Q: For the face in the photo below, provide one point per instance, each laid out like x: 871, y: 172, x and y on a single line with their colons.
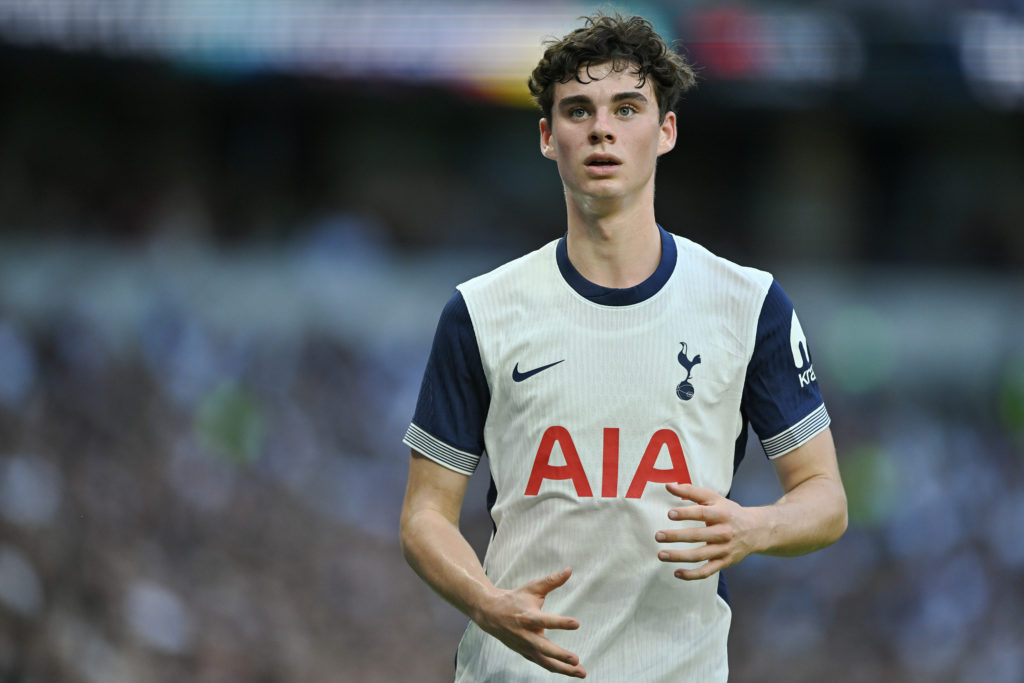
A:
x: 605, y: 135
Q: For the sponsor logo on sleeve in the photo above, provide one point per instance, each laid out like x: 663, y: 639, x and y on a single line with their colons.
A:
x: 801, y: 355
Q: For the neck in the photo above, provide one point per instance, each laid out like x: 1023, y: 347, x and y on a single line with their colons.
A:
x: 618, y: 247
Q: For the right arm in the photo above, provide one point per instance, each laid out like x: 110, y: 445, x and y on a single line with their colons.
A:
x: 436, y: 549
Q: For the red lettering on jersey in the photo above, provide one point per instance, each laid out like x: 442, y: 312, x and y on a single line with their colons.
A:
x: 610, y: 464
x: 646, y: 472
x: 572, y: 469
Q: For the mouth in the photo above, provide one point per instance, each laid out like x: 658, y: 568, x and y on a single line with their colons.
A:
x: 601, y: 160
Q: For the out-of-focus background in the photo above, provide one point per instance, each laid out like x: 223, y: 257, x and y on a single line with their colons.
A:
x: 227, y: 229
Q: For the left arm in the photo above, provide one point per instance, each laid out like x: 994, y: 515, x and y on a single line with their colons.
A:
x: 810, y: 515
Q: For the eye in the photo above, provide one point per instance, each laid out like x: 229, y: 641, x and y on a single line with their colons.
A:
x: 577, y: 113
x: 626, y: 110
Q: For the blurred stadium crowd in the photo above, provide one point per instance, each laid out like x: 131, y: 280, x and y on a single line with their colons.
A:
x: 217, y: 293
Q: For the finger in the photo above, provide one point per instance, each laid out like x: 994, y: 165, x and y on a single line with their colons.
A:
x: 701, y: 554
x: 549, y: 583
x: 560, y: 667
x: 548, y: 649
x: 702, y: 572
x: 718, y: 533
x: 709, y: 514
x: 552, y: 657
x: 694, y: 493
x: 543, y: 620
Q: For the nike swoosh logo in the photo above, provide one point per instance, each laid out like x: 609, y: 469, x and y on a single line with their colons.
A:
x: 520, y: 376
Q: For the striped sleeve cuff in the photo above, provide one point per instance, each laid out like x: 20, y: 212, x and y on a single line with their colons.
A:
x: 798, y: 434
x: 439, y: 451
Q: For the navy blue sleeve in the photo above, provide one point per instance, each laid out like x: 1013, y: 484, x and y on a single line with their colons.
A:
x: 781, y: 397
x: 448, y: 425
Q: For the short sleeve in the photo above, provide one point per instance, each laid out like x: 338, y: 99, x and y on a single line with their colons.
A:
x: 781, y: 398
x: 448, y: 425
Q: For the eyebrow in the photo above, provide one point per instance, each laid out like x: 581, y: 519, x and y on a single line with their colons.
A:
x: 617, y: 97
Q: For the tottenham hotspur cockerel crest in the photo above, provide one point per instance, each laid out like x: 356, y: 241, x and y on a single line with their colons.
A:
x: 684, y: 390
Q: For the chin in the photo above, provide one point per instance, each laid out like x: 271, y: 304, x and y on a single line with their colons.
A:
x: 609, y: 187
x: 606, y: 192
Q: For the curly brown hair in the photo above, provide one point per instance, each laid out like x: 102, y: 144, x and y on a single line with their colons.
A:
x: 626, y: 42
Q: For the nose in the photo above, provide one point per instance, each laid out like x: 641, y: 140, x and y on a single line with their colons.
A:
x: 601, y: 130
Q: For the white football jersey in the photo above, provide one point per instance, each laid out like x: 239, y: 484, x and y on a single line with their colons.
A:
x: 587, y: 400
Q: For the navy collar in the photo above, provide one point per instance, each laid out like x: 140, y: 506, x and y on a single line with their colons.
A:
x: 607, y: 296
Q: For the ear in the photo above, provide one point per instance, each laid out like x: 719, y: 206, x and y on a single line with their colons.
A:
x: 547, y: 147
x: 667, y: 133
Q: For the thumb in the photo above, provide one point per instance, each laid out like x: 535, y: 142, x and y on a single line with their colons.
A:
x: 550, y: 582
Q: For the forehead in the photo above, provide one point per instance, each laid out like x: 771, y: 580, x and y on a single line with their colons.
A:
x: 601, y: 80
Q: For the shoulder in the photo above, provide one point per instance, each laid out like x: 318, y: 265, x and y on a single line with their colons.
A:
x: 726, y: 291
x: 511, y: 292
x: 700, y: 262
x: 517, y: 272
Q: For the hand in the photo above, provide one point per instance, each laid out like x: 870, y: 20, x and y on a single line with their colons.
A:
x: 515, y: 618
x: 728, y: 532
